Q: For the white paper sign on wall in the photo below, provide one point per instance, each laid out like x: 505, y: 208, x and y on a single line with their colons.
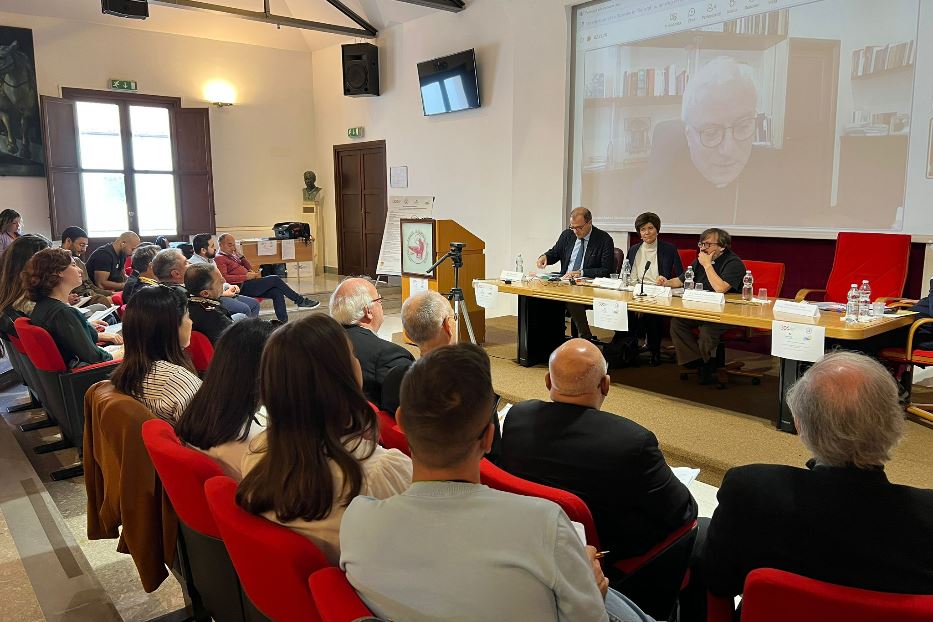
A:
x: 416, y: 285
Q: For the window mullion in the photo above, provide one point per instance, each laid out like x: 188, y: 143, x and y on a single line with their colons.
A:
x: 126, y: 136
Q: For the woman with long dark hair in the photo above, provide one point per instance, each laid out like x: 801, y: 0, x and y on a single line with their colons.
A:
x: 11, y: 223
x: 49, y: 277
x: 221, y: 419
x: 319, y: 451
x: 13, y: 299
x: 156, y: 370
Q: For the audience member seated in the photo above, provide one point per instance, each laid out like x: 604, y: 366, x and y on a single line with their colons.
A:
x: 14, y: 303
x: 156, y: 369
x: 11, y: 224
x: 208, y: 316
x: 319, y: 451
x: 74, y: 239
x: 358, y: 306
x: 162, y: 242
x: 428, y: 320
x: 221, y: 418
x: 237, y: 270
x: 204, y: 249
x: 49, y: 278
x: 451, y: 547
x: 717, y: 269
x: 610, y: 462
x: 169, y: 267
x: 141, y: 274
x: 839, y: 520
x: 106, y: 263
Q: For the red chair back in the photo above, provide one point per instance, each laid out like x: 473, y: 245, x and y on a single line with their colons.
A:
x: 272, y: 561
x: 687, y: 256
x: 767, y: 274
x: 128, y: 266
x: 201, y: 350
x: 775, y: 596
x: 39, y: 346
x: 183, y: 472
x: 879, y: 257
x: 335, y: 598
x: 390, y: 435
x: 573, y: 506
x: 117, y: 299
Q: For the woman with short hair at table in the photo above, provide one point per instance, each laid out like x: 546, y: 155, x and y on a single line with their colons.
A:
x: 156, y: 370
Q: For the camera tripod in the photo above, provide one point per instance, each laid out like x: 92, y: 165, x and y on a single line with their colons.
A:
x: 461, y: 312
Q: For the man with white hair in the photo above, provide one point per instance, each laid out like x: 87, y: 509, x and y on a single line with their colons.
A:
x: 696, y: 163
x: 610, y: 462
x: 358, y: 306
x: 839, y: 520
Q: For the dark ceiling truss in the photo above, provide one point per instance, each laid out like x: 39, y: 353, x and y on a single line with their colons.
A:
x: 365, y: 29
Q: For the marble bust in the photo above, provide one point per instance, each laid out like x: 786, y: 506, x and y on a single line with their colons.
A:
x: 312, y: 193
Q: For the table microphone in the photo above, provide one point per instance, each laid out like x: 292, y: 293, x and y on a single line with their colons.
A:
x: 647, y: 265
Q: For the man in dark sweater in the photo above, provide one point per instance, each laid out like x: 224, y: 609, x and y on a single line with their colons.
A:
x: 205, y: 284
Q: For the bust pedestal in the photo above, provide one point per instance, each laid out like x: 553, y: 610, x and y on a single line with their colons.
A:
x: 312, y: 211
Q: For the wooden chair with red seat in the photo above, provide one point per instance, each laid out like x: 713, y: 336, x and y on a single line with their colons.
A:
x: 201, y: 350
x: 62, y: 389
x: 882, y: 258
x: 909, y: 357
x: 210, y: 578
x: 777, y: 596
x: 273, y: 562
x: 335, y: 598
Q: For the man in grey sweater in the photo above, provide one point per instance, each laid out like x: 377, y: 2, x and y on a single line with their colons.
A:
x: 429, y: 554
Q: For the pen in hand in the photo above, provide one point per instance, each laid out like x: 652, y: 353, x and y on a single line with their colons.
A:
x: 602, y: 554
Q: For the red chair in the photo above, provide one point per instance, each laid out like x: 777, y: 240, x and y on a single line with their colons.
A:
x: 335, y: 598
x: 906, y: 359
x: 272, y: 561
x: 777, y: 596
x: 61, y: 389
x: 201, y: 350
x: 857, y: 258
x: 128, y: 265
x: 211, y: 580
x: 573, y: 506
x: 687, y: 256
x: 390, y: 435
x: 117, y: 299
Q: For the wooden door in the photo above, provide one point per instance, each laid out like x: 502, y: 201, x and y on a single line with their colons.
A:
x: 360, y: 180
x: 810, y: 122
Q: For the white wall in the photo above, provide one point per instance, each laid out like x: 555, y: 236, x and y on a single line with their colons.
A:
x: 260, y: 147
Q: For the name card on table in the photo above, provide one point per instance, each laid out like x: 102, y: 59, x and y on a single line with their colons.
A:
x: 605, y: 283
x: 804, y: 309
x: 655, y: 291
x: 511, y: 275
x: 610, y: 314
x: 798, y: 342
x: 701, y: 295
x: 486, y: 294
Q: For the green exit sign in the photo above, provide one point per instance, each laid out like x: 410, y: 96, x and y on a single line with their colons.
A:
x: 355, y: 132
x: 123, y: 85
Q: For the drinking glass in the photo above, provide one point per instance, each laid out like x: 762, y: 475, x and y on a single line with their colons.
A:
x: 762, y: 293
x: 698, y: 287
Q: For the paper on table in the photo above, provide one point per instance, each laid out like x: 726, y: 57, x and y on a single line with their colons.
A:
x: 99, y: 315
x: 114, y: 329
x: 486, y: 294
x: 581, y: 531
x: 416, y: 285
x: 265, y: 247
x: 288, y: 250
x: 610, y: 314
x: 686, y: 475
x: 81, y: 302
x: 798, y: 342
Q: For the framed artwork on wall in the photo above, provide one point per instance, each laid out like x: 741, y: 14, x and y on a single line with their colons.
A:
x: 21, y: 152
x: 418, y: 244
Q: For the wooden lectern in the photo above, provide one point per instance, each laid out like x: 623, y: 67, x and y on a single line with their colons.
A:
x: 474, y: 267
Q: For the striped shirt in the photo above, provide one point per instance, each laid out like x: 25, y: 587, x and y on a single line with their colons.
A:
x: 167, y: 389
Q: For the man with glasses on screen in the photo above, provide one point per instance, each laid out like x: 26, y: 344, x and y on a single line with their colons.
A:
x: 696, y: 163
x: 717, y: 269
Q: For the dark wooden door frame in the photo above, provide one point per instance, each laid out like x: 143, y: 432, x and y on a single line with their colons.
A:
x: 338, y: 150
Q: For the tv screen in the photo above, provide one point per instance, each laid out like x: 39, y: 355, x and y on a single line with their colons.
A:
x: 449, y: 84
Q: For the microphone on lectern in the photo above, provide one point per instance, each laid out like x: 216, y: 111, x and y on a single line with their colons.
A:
x: 647, y: 265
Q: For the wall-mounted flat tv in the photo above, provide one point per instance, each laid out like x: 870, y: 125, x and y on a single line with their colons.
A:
x: 449, y: 84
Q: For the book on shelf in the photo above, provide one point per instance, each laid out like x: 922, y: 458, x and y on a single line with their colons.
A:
x: 654, y: 81
x: 771, y: 23
x: 873, y: 59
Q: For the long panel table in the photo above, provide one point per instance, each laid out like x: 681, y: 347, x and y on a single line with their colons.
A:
x: 542, y: 325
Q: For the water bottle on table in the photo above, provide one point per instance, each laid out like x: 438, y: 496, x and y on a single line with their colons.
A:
x: 852, y: 304
x: 748, y: 282
x: 688, y: 278
x: 520, y: 265
x: 864, y: 302
x: 626, y: 272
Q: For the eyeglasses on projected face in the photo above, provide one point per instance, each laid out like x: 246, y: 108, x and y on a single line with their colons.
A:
x: 713, y: 134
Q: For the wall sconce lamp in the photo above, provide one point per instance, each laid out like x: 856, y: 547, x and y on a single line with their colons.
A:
x: 220, y: 93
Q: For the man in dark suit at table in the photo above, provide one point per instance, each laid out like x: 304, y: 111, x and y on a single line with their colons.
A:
x: 357, y: 305
x: 610, y: 462
x: 582, y: 250
x: 839, y: 520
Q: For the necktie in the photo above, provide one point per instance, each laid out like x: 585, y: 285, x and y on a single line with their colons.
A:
x: 578, y: 261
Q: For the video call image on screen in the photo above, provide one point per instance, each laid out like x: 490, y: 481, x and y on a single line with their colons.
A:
x: 794, y: 117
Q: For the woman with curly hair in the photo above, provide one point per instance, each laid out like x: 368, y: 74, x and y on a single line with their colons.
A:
x: 48, y: 279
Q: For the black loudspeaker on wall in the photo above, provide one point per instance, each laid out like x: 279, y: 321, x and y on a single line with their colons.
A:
x: 135, y: 9
x: 360, y: 70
